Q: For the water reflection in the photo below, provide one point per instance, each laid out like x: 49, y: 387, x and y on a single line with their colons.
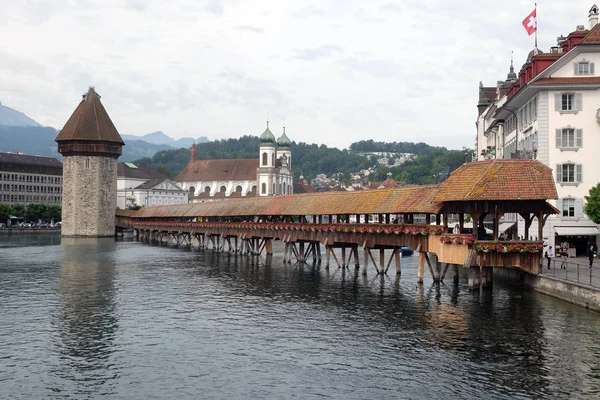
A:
x: 501, y: 327
x: 88, y: 323
x: 126, y: 320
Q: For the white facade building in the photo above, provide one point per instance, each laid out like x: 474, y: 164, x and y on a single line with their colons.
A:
x: 141, y: 186
x: 552, y: 113
x: 269, y: 175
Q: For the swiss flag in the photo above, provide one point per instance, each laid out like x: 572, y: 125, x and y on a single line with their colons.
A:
x: 530, y: 23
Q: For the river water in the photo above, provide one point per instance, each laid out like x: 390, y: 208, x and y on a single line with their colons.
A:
x: 101, y: 318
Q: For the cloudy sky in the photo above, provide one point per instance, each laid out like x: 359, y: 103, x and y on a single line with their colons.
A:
x: 337, y: 71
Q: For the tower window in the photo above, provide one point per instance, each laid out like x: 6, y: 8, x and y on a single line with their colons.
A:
x: 265, y: 159
x: 263, y: 188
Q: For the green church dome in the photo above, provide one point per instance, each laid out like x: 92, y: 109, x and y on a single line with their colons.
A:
x: 267, y: 136
x: 284, y: 141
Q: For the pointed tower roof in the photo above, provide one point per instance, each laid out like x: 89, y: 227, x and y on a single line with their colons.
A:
x: 512, y: 76
x: 267, y: 136
x: 89, y: 130
x: 90, y: 122
x: 283, y: 140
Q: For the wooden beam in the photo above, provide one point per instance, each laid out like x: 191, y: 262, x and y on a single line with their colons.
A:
x: 421, y: 267
x: 433, y: 275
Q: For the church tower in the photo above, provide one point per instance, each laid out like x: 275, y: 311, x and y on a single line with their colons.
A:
x: 90, y: 145
x: 285, y: 183
x: 265, y: 174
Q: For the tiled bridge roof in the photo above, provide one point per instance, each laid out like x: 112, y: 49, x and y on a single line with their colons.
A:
x: 476, y: 181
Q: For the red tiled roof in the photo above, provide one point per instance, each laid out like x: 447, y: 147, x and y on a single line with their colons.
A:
x: 499, y: 180
x: 300, y: 188
x: 568, y: 81
x: 592, y: 37
x: 415, y: 199
x: 476, y: 181
x: 219, y: 170
x: 90, y: 122
x: 390, y: 183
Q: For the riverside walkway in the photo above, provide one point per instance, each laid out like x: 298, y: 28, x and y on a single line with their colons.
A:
x: 577, y: 270
x: 414, y: 216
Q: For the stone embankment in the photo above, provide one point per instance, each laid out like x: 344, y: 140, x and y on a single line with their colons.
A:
x: 27, y: 231
x: 572, y: 284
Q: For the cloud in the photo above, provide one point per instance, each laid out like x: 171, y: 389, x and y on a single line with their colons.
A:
x: 339, y: 71
x: 318, y: 52
x: 249, y: 28
x: 308, y: 11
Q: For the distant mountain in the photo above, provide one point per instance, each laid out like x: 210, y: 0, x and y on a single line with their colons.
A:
x: 39, y: 141
x: 10, y: 117
x: 20, y: 133
x: 160, y: 138
x: 34, y: 140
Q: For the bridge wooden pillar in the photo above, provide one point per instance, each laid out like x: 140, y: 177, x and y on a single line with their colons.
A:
x: 421, y: 267
x: 473, y: 276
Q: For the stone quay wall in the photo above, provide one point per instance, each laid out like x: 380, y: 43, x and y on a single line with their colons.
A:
x: 573, y: 292
x: 89, y: 196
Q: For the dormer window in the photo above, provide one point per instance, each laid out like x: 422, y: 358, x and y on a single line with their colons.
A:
x: 583, y: 68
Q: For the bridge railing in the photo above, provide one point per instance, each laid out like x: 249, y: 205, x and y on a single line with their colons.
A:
x: 407, y: 229
x: 574, y: 270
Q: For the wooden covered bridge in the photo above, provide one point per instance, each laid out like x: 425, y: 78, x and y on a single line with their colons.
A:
x: 379, y: 221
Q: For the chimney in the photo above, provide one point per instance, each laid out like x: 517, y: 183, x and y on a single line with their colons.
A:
x: 593, y: 16
x: 193, y: 153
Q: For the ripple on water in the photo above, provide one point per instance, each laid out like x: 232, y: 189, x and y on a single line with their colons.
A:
x: 85, y: 319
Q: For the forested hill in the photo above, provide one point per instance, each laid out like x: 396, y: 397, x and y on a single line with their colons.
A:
x: 433, y: 164
x: 370, y: 146
x: 307, y: 159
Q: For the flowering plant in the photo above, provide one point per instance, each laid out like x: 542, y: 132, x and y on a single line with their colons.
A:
x: 505, y: 247
x: 457, y: 239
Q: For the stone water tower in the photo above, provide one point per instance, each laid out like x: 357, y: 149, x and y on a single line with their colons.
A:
x: 90, y: 145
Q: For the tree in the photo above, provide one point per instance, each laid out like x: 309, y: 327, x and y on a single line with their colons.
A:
x: 592, y: 204
x: 163, y: 169
x: 17, y: 210
x: 4, y: 212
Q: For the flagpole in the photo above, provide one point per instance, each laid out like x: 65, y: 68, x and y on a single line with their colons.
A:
x: 536, y: 29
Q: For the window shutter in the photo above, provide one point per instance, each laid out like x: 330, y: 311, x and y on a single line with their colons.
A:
x: 559, y: 206
x: 578, y: 138
x: 578, y: 173
x: 578, y: 101
x: 559, y: 138
x: 558, y: 172
x: 557, y: 102
x: 575, y: 69
x: 578, y: 207
x: 591, y: 68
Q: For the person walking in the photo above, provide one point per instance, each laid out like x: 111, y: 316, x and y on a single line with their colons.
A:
x: 591, y: 254
x: 549, y: 256
x: 563, y: 255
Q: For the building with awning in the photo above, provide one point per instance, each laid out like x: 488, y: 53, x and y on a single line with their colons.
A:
x: 577, y: 230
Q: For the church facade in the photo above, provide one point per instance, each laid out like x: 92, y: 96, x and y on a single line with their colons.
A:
x: 269, y: 175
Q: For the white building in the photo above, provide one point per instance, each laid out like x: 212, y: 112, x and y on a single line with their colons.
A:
x: 269, y: 175
x: 141, y: 186
x: 26, y: 179
x: 552, y: 113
